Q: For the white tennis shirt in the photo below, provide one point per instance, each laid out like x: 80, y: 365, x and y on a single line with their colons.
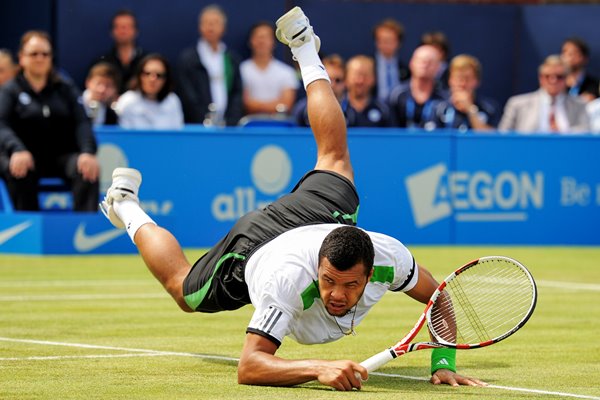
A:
x: 282, y: 282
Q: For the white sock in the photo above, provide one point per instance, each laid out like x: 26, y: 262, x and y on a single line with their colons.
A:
x: 311, y: 67
x: 132, y: 216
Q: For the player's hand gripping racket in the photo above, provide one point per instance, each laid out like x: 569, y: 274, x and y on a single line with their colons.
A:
x: 479, y: 304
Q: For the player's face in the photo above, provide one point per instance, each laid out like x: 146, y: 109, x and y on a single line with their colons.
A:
x: 341, y: 290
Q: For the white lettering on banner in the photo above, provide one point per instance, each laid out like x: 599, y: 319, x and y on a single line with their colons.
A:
x: 573, y: 193
x: 434, y: 193
x: 229, y: 207
x: 270, y: 171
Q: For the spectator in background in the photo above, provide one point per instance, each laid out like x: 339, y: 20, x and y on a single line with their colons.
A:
x: 549, y: 109
x: 593, y: 110
x: 8, y: 69
x: 334, y: 65
x: 439, y: 40
x: 269, y: 85
x: 101, y: 92
x: 359, y: 106
x: 44, y: 130
x: 576, y: 54
x: 390, y: 70
x: 208, y: 74
x: 151, y: 103
x: 464, y: 109
x: 415, y: 103
x: 125, y: 54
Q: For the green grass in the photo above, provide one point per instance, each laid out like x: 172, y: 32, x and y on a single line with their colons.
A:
x: 114, y: 301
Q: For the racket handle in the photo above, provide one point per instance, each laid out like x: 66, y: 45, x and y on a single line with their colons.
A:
x: 378, y: 360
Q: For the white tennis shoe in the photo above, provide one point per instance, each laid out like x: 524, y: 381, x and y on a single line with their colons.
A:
x: 125, y: 186
x: 293, y: 29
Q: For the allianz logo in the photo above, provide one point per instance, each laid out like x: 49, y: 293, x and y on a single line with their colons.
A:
x: 436, y: 193
x: 270, y: 170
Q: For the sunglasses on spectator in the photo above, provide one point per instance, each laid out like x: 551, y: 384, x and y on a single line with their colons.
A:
x: 157, y: 75
x: 44, y: 54
x: 558, y: 77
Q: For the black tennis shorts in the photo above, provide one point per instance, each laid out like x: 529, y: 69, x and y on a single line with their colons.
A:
x: 216, y: 281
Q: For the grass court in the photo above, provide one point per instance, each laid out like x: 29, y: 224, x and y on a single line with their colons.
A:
x: 101, y: 327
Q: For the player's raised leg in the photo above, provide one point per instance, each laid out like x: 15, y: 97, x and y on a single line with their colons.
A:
x: 324, y: 112
x: 158, y: 247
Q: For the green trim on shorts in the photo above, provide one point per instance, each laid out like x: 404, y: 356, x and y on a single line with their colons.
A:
x: 310, y: 294
x: 351, y: 217
x: 195, y: 299
x: 382, y: 274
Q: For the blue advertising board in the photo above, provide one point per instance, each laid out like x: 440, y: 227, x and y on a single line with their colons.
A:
x: 439, y: 187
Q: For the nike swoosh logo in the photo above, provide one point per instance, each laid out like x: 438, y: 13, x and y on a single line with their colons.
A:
x: 84, y: 242
x: 13, y: 231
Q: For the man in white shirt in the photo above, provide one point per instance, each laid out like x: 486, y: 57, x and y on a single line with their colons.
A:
x: 269, y: 84
x: 309, y: 273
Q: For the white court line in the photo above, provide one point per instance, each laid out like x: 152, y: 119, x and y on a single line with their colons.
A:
x: 569, y: 285
x: 214, y: 357
x: 44, y: 358
x: 77, y: 283
x: 82, y: 297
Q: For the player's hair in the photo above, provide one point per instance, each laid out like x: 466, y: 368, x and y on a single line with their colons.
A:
x: 465, y: 61
x: 347, y: 246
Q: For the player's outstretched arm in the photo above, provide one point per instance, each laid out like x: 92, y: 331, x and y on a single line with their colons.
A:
x: 259, y: 366
x: 422, y: 291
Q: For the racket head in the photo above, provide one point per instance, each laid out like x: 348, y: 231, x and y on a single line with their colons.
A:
x: 481, y: 303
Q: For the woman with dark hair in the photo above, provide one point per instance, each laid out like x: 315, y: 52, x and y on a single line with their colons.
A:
x: 44, y: 131
x: 151, y: 103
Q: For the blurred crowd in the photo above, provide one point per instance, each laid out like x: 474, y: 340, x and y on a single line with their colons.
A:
x: 139, y: 89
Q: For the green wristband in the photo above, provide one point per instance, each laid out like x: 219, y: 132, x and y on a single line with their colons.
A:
x: 443, y: 358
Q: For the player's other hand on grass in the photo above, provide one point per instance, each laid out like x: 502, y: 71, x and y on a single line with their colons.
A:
x: 342, y: 374
x: 453, y: 379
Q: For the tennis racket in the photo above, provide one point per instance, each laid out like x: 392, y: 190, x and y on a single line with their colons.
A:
x: 479, y: 304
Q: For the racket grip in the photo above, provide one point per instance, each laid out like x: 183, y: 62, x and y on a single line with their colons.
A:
x: 378, y: 360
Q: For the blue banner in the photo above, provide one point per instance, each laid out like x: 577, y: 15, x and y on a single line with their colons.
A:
x: 439, y: 187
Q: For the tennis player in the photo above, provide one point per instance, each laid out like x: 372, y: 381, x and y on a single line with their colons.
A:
x: 307, y: 270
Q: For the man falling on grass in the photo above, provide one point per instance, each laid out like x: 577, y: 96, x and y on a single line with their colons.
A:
x: 308, y: 272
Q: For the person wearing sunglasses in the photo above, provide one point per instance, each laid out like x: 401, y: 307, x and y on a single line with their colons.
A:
x: 44, y: 130
x: 150, y: 103
x: 549, y: 109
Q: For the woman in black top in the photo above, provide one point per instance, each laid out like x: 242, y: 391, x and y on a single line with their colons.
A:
x: 44, y: 131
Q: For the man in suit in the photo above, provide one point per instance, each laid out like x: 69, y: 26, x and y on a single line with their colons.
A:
x: 549, y: 109
x: 209, y: 82
x: 390, y: 71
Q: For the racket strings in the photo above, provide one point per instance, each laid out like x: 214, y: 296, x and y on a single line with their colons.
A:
x: 483, y: 303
